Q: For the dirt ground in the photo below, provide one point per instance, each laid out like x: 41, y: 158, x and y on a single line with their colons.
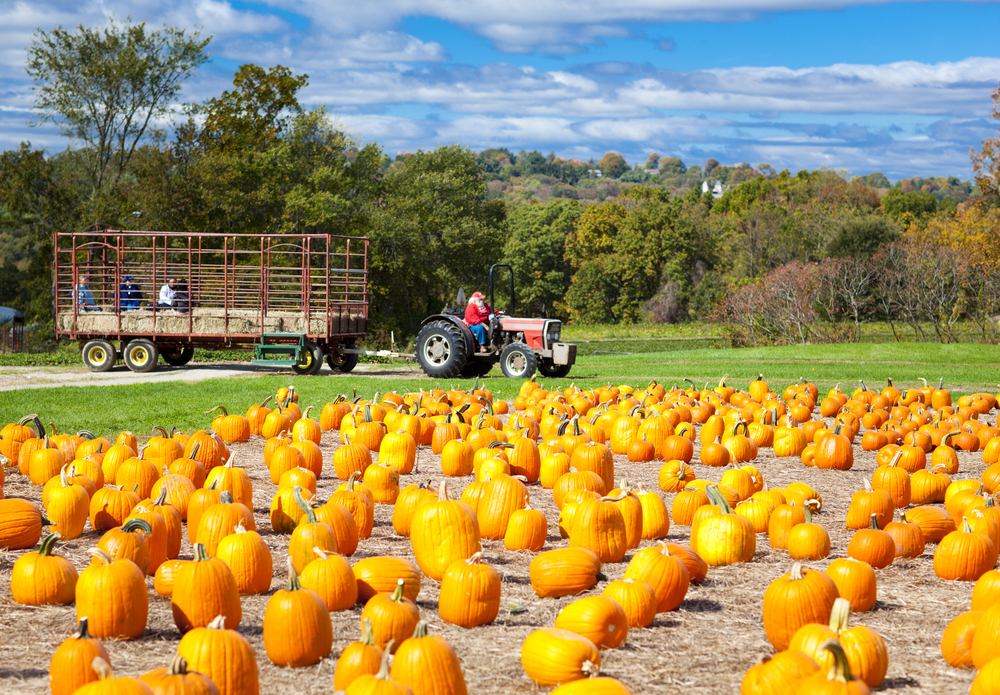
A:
x: 705, y: 646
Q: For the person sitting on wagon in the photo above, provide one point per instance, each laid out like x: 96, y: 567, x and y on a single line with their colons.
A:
x: 477, y: 315
x: 167, y: 293
x: 85, y: 296
x: 129, y: 294
x: 182, y: 297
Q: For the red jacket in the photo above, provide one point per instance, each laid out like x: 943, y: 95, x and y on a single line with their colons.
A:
x: 474, y: 315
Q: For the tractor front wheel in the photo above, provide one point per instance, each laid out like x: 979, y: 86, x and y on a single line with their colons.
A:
x: 517, y: 361
x: 553, y: 371
x: 441, y: 350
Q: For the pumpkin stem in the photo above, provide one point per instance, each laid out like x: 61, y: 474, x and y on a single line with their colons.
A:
x: 179, y: 666
x: 103, y: 668
x: 874, y: 520
x: 218, y: 623
x: 350, y: 481
x: 140, y: 524
x: 82, y: 631
x: 293, y: 577
x: 397, y: 595
x: 100, y: 555
x: 239, y: 528
x: 45, y: 549
x: 229, y: 463
x: 218, y: 407
x: 226, y: 497
x: 200, y: 553
x: 161, y: 499
x: 839, y: 615
x: 303, y: 505
x: 421, y: 629
x: 383, y: 671
x: 443, y: 491
x: 367, y: 633
x: 796, y: 573
x: 841, y: 669
x: 162, y: 430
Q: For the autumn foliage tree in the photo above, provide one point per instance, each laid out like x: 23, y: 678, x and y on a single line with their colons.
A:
x: 613, y: 165
x: 986, y: 162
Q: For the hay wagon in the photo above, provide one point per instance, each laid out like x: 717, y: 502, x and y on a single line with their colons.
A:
x: 292, y: 298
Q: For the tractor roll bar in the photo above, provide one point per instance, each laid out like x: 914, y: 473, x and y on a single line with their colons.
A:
x: 510, y: 310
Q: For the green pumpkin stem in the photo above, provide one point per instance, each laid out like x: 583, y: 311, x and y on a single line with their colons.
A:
x: 841, y: 669
x: 303, y: 505
x: 137, y: 524
x: 226, y: 497
x: 200, y: 553
x: 420, y: 630
x: 397, y: 595
x: 293, y: 577
x: 82, y: 631
x: 840, y: 614
x: 367, y: 633
x: 874, y: 520
x: 45, y: 549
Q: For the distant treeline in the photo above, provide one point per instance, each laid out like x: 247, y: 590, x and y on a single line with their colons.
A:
x: 533, y: 176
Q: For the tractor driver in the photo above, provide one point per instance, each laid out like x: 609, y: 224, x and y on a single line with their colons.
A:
x: 477, y: 315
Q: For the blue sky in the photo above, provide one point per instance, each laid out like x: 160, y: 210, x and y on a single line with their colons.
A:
x: 898, y: 87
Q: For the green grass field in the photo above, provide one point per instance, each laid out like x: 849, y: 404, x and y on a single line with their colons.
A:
x: 109, y: 409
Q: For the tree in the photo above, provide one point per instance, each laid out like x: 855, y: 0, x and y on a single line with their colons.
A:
x: 613, y: 165
x: 986, y: 162
x: 434, y: 231
x: 623, y: 253
x: 898, y: 204
x: 653, y: 161
x: 672, y: 166
x: 257, y: 112
x: 105, y: 87
x: 535, y: 249
x: 863, y: 237
x: 875, y: 180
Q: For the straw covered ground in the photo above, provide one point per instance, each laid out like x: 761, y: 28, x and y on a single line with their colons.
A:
x: 704, y: 647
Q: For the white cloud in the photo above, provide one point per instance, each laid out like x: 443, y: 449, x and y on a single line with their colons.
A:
x: 369, y: 72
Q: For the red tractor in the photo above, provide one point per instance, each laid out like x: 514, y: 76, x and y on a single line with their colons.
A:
x: 446, y: 347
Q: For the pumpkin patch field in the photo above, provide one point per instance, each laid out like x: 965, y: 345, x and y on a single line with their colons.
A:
x: 733, y: 538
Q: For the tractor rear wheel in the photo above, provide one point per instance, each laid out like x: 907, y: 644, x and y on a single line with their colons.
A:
x: 441, y: 350
x: 517, y: 361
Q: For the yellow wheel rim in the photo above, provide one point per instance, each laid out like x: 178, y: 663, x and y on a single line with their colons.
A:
x: 140, y: 355
x: 96, y: 354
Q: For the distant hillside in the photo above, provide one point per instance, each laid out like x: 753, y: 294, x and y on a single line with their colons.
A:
x: 525, y: 176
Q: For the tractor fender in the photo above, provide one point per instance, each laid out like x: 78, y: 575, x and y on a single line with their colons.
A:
x: 462, y: 326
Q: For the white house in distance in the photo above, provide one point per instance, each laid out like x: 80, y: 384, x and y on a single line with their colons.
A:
x: 716, y: 188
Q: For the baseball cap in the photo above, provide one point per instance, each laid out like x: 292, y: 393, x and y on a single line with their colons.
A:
x: 478, y: 295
